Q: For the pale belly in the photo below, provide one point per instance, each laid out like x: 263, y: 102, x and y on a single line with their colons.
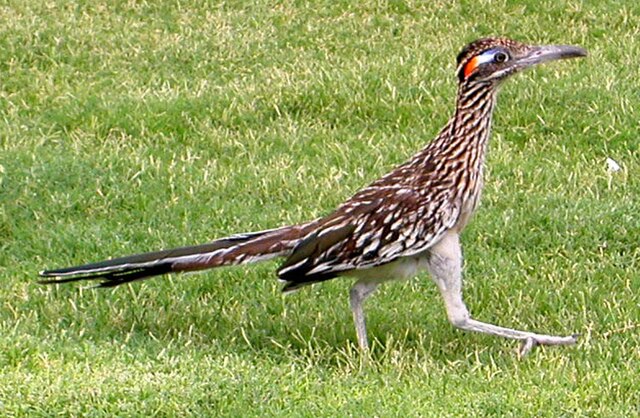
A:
x: 400, y: 269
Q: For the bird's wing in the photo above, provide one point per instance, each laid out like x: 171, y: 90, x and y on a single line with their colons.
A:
x: 373, y: 228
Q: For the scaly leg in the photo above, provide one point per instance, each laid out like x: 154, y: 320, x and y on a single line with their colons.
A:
x: 445, y: 266
x: 359, y: 292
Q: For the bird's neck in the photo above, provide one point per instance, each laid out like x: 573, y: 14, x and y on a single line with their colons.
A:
x: 458, y: 152
x: 463, y: 141
x: 470, y: 127
x: 459, y: 149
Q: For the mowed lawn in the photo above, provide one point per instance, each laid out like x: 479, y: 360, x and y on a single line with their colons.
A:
x: 130, y: 126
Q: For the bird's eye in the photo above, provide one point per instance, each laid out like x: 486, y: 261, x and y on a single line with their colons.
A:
x: 500, y: 57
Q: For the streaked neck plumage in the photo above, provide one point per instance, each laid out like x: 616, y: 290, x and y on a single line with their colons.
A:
x: 464, y: 138
x: 469, y: 128
x: 462, y: 142
x: 454, y: 160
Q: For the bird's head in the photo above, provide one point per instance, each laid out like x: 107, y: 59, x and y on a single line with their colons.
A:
x: 494, y: 59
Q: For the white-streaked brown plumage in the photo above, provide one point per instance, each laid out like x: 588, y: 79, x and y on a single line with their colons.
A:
x: 407, y: 221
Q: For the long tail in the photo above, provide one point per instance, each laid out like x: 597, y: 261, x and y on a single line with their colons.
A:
x: 236, y: 249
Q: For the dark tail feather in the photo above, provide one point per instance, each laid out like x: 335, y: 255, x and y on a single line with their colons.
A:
x: 112, y: 278
x: 236, y: 249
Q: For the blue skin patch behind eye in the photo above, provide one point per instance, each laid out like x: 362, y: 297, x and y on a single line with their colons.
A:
x: 478, y: 60
x: 487, y: 56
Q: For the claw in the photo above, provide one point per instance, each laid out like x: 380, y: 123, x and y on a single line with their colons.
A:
x: 529, y: 343
x: 526, y: 346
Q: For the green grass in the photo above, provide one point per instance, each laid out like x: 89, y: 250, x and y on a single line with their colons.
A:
x: 131, y: 126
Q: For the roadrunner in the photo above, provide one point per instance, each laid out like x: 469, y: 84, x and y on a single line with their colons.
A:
x: 407, y: 221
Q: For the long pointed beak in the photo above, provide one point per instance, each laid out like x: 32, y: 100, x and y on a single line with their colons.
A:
x: 540, y: 54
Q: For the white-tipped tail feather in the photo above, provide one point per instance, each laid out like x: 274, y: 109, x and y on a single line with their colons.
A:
x: 236, y: 249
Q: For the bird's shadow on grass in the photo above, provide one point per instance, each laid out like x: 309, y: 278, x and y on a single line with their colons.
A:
x: 313, y: 329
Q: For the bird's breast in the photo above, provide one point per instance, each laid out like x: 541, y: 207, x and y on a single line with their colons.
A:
x: 470, y: 199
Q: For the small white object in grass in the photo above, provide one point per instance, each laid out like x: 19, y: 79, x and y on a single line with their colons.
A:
x: 613, y: 165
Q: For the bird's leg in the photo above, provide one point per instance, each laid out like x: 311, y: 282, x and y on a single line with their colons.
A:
x: 359, y: 292
x: 445, y: 266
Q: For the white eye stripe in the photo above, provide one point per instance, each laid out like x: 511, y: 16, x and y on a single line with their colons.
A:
x: 486, y: 57
x: 489, y: 56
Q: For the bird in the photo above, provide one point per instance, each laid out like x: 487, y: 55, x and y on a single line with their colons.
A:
x: 406, y: 222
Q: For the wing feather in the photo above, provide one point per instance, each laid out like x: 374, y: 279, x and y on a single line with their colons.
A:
x: 375, y: 227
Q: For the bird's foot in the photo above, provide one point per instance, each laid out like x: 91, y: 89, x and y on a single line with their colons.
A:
x: 532, y: 341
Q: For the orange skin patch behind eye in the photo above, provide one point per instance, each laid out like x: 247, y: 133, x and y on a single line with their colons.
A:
x: 471, y: 65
